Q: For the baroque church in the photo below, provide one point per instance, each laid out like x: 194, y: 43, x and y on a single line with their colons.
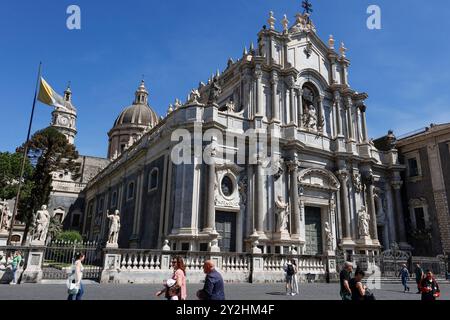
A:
x: 332, y: 189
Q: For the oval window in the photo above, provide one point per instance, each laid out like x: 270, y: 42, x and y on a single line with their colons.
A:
x: 227, y: 186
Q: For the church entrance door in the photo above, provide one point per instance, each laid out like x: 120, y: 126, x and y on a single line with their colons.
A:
x: 313, y: 231
x: 226, y: 227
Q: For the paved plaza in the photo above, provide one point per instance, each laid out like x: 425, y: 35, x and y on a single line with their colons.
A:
x: 95, y: 291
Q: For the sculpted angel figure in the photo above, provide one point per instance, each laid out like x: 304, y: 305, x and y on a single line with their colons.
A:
x: 282, y: 214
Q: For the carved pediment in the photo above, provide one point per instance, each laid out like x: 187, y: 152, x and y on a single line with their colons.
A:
x: 318, y: 178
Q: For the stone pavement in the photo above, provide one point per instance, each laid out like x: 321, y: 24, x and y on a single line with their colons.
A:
x: 95, y: 291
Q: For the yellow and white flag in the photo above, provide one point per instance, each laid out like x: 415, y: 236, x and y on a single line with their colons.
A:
x: 48, y: 96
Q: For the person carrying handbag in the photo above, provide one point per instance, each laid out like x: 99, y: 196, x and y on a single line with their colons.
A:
x: 74, y: 282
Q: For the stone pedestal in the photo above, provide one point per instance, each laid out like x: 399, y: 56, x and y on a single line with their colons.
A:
x: 33, y: 271
x: 112, y: 246
x: 282, y: 235
x: 111, y: 268
x: 3, y: 239
x: 366, y: 241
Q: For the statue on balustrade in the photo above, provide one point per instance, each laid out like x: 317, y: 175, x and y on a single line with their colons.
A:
x: 363, y: 223
x: 6, y: 217
x: 282, y: 214
x: 42, y: 222
x: 114, y: 228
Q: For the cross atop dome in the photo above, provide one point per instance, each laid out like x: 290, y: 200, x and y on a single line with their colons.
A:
x: 307, y: 7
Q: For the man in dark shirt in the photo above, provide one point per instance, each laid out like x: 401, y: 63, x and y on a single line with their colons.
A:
x: 419, y: 276
x: 345, y: 276
x: 214, y: 287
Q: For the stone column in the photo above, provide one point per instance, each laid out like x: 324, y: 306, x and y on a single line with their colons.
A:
x: 292, y: 106
x: 343, y: 178
x: 275, y: 101
x: 321, y: 115
x: 295, y: 217
x: 350, y: 128
x: 391, y: 214
x: 258, y: 76
x: 259, y: 214
x: 300, y: 107
x: 211, y: 196
x: 363, y: 109
x: 371, y: 204
x: 337, y: 106
x: 399, y: 207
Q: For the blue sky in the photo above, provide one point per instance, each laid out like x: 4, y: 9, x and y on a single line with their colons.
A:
x: 404, y: 67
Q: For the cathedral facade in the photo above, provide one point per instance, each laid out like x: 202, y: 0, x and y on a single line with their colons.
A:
x: 311, y: 180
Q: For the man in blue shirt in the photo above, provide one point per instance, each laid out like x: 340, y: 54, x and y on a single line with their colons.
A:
x: 214, y: 286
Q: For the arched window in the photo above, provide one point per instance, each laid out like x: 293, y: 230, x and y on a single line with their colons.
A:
x: 130, y: 191
x: 153, y: 179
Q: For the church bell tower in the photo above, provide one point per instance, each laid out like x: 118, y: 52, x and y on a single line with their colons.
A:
x: 64, y: 119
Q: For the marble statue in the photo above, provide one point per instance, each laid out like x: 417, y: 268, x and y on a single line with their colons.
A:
x: 282, y: 214
x: 312, y: 117
x: 6, y: 217
x: 214, y: 91
x: 363, y: 223
x: 42, y: 223
x: 329, y: 237
x: 357, y: 182
x: 114, y: 227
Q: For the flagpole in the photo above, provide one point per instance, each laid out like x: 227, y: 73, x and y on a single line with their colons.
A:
x: 25, y: 152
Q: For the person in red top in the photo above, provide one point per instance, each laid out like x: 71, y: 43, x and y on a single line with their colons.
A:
x: 429, y: 287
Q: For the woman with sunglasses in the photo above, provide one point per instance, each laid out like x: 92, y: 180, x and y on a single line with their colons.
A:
x: 179, y: 275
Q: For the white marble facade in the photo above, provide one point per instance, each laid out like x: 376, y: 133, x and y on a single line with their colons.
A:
x: 290, y: 85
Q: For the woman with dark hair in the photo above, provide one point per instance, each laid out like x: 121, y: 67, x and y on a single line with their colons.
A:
x: 75, y: 284
x: 358, y: 289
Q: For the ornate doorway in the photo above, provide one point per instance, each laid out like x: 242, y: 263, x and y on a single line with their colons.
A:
x: 226, y: 227
x: 313, y: 231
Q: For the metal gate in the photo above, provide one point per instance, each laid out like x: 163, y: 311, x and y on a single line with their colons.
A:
x: 59, y: 258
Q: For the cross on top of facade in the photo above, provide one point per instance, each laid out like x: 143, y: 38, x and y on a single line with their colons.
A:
x: 307, y: 7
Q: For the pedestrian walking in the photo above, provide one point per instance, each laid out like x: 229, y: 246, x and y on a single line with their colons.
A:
x: 289, y: 269
x: 429, y: 287
x: 74, y: 282
x: 214, y: 286
x: 357, y: 288
x: 345, y: 276
x: 404, y: 274
x: 419, y: 276
x: 294, y: 284
x: 16, y: 264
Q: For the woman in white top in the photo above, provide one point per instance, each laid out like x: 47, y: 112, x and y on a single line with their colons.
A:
x: 77, y: 277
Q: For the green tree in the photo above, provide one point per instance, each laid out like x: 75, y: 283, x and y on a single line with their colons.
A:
x: 10, y: 165
x: 70, y: 236
x: 55, y: 228
x: 49, y: 151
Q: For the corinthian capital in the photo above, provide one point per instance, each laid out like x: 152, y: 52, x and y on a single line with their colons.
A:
x: 292, y: 165
x: 343, y: 175
x: 397, y: 184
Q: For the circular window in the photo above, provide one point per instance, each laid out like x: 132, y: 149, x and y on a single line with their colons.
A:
x: 227, y: 186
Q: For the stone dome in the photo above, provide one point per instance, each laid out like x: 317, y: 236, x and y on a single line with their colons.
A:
x: 140, y: 113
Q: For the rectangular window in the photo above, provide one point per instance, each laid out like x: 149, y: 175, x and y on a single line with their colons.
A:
x: 100, y: 205
x: 114, y: 199
x: 413, y: 167
x: 75, y: 221
x: 130, y: 192
x: 420, y: 218
x: 185, y: 246
x: 153, y: 179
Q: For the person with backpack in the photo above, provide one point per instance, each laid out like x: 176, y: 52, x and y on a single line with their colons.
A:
x: 16, y: 263
x: 290, y: 272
